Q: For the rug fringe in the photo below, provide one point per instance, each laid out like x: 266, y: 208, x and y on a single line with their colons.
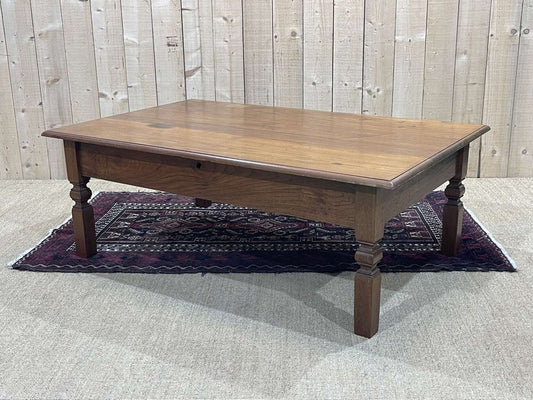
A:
x: 498, y: 244
x: 35, y: 247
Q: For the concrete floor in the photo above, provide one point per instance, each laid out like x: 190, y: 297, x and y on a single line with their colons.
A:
x: 442, y: 335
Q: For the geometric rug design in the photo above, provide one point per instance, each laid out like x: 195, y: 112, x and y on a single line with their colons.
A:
x: 166, y: 233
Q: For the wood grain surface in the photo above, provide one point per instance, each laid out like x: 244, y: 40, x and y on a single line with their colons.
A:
x: 470, y: 67
x: 9, y: 150
x: 25, y: 88
x: 374, y: 151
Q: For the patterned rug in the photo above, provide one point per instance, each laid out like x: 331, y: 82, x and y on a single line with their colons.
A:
x: 164, y: 233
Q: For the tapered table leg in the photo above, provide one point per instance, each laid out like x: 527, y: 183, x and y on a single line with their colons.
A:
x: 452, y: 218
x: 367, y: 289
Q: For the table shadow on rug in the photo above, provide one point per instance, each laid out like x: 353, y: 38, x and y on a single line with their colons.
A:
x: 166, y: 233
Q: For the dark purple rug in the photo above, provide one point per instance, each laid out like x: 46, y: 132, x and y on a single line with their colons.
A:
x: 164, y: 233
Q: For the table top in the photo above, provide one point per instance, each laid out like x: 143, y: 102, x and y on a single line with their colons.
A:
x: 353, y: 148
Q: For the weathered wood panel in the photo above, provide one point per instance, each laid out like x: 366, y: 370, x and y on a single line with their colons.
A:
x: 318, y: 55
x: 198, y: 48
x: 500, y: 84
x: 10, y: 164
x: 25, y: 86
x: 81, y: 64
x: 409, y: 58
x: 258, y: 68
x: 379, y: 56
x: 470, y: 65
x: 521, y: 150
x: 440, y: 56
x: 288, y: 53
x: 139, y: 50
x: 229, y: 68
x: 348, y: 40
x: 110, y: 62
x: 52, y: 67
x: 168, y: 51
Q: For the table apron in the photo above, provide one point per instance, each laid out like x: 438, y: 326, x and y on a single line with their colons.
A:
x: 398, y: 199
x: 317, y: 199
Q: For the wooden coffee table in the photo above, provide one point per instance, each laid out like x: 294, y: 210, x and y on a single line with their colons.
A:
x: 352, y: 170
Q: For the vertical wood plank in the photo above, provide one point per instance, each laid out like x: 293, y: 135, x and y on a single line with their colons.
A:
x: 470, y: 66
x: 440, y: 56
x: 409, y: 58
x: 20, y: 43
x: 81, y: 64
x: 521, y: 150
x: 348, y: 38
x: 227, y: 32
x: 139, y: 50
x: 52, y: 65
x: 318, y: 55
x: 109, y: 52
x: 499, y: 86
x: 258, y: 74
x: 10, y: 164
x: 168, y: 51
x: 378, y: 57
x: 371, y: 56
x: 198, y: 49
x: 288, y: 49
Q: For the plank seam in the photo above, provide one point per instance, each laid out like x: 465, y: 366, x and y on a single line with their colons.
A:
x: 424, y: 71
x: 455, y: 58
x: 272, y: 48
x: 393, y: 58
x: 484, y: 89
x: 95, y: 62
x: 124, y: 52
x: 153, y: 53
x: 40, y: 89
x: 214, y: 50
x: 66, y: 61
x: 332, y: 54
x: 511, y: 128
x: 11, y: 94
x: 363, y: 59
x: 244, y: 96
x: 303, y: 56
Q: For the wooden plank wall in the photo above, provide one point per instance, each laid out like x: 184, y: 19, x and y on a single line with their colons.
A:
x: 64, y: 61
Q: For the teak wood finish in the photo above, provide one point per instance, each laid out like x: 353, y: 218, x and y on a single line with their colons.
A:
x: 351, y: 170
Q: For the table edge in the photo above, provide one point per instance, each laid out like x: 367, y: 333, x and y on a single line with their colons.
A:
x: 403, y: 177
x: 284, y: 169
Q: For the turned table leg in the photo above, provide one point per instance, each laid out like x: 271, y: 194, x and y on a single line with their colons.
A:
x: 452, y: 219
x: 82, y: 211
x: 83, y: 219
x: 367, y: 287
